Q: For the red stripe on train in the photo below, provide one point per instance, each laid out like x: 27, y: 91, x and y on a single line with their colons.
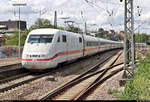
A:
x: 63, y: 53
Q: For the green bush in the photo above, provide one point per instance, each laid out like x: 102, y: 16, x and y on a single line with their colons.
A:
x: 139, y: 87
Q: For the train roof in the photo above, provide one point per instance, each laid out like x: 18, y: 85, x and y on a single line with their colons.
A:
x: 44, y: 31
x: 54, y: 31
x: 49, y: 31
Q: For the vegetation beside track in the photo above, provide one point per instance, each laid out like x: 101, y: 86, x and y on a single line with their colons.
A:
x: 139, y: 87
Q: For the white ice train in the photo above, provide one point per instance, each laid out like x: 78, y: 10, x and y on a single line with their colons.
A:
x: 46, y: 48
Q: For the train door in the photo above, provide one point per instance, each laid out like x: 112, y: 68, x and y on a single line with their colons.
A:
x: 61, y: 47
x: 58, y: 48
x: 83, y: 47
x: 64, y: 47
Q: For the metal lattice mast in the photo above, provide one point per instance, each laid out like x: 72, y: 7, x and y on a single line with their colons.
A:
x: 129, y: 45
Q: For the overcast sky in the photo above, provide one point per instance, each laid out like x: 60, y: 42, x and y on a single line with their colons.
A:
x: 95, y: 12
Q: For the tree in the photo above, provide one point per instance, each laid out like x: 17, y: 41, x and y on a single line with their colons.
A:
x: 41, y: 23
x: 13, y: 39
x: 100, y: 33
x: 74, y: 29
x: 141, y: 38
x: 101, y: 30
x: 1, y: 42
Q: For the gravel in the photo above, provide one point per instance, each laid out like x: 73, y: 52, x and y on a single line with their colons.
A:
x: 9, y: 61
x: 39, y: 88
x: 102, y: 92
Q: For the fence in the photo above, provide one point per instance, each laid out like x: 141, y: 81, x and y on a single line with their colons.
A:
x: 8, y: 52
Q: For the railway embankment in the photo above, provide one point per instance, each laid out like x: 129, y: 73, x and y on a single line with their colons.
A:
x: 139, y: 87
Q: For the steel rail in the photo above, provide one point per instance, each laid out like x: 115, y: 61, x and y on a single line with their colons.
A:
x: 5, y: 67
x: 29, y: 80
x: 77, y: 79
x: 11, y: 73
x: 94, y: 85
x: 13, y: 78
x: 96, y: 82
x: 26, y: 81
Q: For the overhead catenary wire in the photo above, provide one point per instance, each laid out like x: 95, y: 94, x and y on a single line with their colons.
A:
x: 98, y: 8
x: 91, y: 4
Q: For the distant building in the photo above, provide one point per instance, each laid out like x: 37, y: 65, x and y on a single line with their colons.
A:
x: 8, y: 27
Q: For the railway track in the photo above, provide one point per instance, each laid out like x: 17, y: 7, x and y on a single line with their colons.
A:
x: 79, y: 87
x: 10, y: 71
x: 8, y: 67
x: 21, y: 79
x: 8, y: 84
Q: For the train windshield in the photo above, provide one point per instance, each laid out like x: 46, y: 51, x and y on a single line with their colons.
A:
x: 40, y: 38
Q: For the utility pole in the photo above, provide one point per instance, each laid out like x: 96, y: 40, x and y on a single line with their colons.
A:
x: 129, y: 51
x: 55, y: 20
x: 19, y: 54
x: 85, y: 25
x: 85, y: 28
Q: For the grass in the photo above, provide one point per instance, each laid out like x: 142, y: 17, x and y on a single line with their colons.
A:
x: 113, y: 91
x: 139, y: 87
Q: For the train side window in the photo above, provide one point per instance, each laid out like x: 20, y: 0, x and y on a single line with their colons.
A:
x: 58, y: 40
x: 80, y: 40
x: 99, y: 43
x: 64, y: 38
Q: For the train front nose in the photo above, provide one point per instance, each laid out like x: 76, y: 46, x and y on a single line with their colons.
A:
x: 37, y: 62
x: 31, y: 65
x: 36, y: 52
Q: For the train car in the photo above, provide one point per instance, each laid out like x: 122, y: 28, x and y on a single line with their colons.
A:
x: 46, y: 48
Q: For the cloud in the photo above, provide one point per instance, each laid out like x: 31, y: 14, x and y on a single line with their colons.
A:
x: 72, y: 8
x: 102, y: 19
x: 146, y: 16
